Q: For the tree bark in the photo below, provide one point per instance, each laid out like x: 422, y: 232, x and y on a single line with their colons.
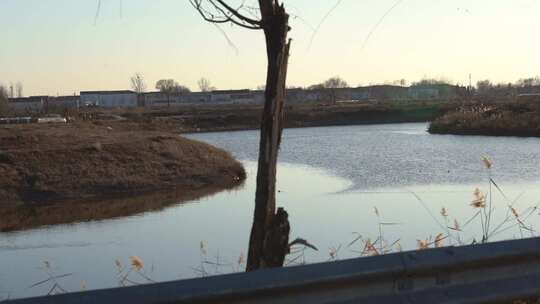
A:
x: 268, y: 243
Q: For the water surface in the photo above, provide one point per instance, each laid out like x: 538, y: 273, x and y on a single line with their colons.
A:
x: 329, y: 180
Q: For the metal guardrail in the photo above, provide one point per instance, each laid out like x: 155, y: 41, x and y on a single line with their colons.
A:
x: 489, y: 273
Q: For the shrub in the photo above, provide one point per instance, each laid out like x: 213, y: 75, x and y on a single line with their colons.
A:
x: 514, y: 120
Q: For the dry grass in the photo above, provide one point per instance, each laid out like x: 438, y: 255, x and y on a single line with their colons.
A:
x: 217, y: 264
x: 451, y: 229
x: 499, y: 120
x: 482, y: 208
x: 241, y: 117
x: 52, y: 163
x: 134, y: 274
x: 53, y: 281
x: 58, y: 174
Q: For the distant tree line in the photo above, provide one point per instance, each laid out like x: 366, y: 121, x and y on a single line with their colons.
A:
x: 14, y: 90
x: 483, y: 88
x: 431, y: 82
x: 337, y: 82
x: 487, y: 89
x: 168, y: 87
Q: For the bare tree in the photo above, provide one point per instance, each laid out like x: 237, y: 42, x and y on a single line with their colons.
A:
x: 137, y: 83
x: 3, y: 92
x: 3, y: 99
x: 169, y: 87
x: 205, y: 85
x: 180, y: 89
x: 484, y: 86
x: 400, y: 82
x: 11, y: 92
x: 269, y: 237
x: 431, y: 81
x: 332, y: 84
x: 19, y: 89
x: 335, y: 83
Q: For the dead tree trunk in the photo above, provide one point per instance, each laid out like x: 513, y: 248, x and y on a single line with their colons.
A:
x: 268, y: 243
x: 269, y: 238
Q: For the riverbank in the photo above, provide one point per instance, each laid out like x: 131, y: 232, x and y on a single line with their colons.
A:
x: 511, y: 119
x: 190, y: 119
x: 42, y: 164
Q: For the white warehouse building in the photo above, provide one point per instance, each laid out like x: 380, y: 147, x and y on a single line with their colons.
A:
x: 109, y: 99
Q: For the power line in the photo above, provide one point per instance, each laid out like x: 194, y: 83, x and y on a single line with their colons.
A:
x: 322, y: 21
x: 379, y: 22
x: 97, y: 12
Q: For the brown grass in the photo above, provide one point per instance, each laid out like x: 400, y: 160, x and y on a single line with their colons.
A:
x: 40, y: 165
x: 498, y: 120
x: 241, y: 117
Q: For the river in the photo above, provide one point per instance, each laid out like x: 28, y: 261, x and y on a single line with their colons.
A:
x: 336, y: 183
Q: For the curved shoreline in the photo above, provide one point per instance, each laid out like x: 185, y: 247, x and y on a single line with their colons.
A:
x: 42, y: 166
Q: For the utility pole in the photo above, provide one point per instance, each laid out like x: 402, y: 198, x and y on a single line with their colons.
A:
x: 11, y: 90
x: 470, y: 88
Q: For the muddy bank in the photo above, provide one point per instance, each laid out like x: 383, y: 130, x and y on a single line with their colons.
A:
x: 45, y: 164
x: 243, y: 117
x: 521, y: 120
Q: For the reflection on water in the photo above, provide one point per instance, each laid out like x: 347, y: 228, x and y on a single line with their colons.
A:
x: 327, y: 201
x: 26, y: 216
x: 167, y: 241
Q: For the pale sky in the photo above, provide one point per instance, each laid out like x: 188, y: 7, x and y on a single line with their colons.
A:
x: 54, y: 46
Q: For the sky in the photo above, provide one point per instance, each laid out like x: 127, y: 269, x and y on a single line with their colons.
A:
x: 60, y: 47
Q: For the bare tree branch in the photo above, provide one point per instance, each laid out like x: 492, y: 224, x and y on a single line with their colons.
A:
x: 218, y: 11
x: 238, y: 15
x: 229, y: 41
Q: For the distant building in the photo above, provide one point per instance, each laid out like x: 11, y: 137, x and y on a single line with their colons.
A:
x: 197, y: 98
x: 64, y: 102
x: 423, y: 92
x: 32, y: 103
x: 237, y: 96
x: 128, y: 99
x: 387, y: 92
x: 109, y: 99
x: 160, y: 99
x: 434, y: 92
